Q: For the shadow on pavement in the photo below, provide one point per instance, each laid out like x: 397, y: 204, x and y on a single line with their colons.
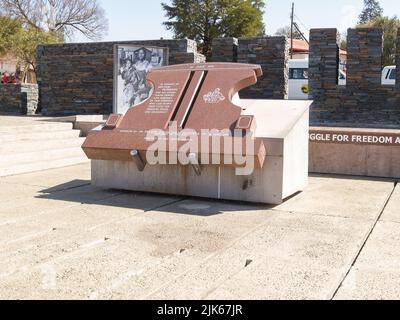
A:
x: 81, y: 191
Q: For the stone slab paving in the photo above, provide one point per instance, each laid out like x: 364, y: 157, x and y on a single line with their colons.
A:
x: 376, y: 273
x: 62, y: 238
x: 57, y: 179
x: 355, y: 198
x: 392, y: 211
x: 294, y: 256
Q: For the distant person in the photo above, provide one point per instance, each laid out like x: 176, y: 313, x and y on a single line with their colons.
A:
x: 142, y: 65
x: 18, y: 75
x: 13, y: 79
x: 5, y: 79
x: 156, y: 60
x: 128, y: 75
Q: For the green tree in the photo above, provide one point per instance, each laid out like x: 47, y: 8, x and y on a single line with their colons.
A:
x: 21, y: 42
x: 26, y: 42
x: 8, y: 29
x: 205, y: 20
x: 390, y: 27
x: 372, y: 10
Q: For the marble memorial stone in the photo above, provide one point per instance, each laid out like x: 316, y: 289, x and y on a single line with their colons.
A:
x: 195, y: 136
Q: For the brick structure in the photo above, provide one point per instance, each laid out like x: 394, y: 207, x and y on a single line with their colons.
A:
x: 18, y: 99
x: 225, y: 50
x: 363, y: 102
x: 78, y: 78
x: 272, y: 53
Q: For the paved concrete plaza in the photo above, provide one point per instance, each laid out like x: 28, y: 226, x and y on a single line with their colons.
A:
x: 62, y: 238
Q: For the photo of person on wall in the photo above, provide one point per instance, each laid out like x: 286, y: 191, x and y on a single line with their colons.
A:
x: 133, y: 65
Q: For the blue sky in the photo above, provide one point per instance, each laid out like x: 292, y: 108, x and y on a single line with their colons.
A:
x: 137, y: 20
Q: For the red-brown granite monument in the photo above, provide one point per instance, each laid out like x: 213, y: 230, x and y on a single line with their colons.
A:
x: 194, y: 136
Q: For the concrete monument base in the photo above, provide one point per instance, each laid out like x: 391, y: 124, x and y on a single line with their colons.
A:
x: 283, y: 126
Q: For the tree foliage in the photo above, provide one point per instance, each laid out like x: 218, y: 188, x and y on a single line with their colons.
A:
x: 343, y: 41
x: 25, y: 24
x: 343, y: 44
x: 205, y: 20
x: 62, y: 18
x: 8, y: 29
x: 21, y: 42
x: 26, y: 42
x: 372, y: 10
x: 390, y: 27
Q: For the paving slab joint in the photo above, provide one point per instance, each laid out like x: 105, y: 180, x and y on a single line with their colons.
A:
x: 365, y: 241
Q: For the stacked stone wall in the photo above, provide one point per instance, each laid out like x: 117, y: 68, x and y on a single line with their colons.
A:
x: 363, y: 102
x: 272, y: 53
x: 18, y: 99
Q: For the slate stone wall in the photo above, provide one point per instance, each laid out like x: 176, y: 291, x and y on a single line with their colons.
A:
x: 78, y: 78
x: 18, y: 99
x: 363, y: 102
x: 225, y: 50
x: 29, y: 99
x: 272, y: 53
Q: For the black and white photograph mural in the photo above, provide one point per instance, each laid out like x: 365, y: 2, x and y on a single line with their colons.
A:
x: 132, y: 64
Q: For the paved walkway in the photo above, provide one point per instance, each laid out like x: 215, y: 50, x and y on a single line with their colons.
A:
x: 62, y: 238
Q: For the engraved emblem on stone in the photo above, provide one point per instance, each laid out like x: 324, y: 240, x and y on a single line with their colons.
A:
x: 214, y: 97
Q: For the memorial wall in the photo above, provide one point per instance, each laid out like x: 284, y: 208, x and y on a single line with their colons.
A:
x: 356, y: 127
x: 363, y: 102
x: 78, y: 78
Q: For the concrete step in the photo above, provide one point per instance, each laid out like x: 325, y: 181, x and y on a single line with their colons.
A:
x: 42, y: 127
x: 48, y: 155
x: 42, y: 136
x: 39, y: 146
x: 41, y: 165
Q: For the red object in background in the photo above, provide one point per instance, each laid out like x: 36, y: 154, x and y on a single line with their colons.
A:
x: 5, y: 78
x: 8, y: 79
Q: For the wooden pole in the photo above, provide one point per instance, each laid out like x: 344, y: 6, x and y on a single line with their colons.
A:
x: 291, y: 31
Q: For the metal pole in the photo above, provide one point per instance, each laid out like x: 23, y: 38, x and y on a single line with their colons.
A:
x: 291, y: 31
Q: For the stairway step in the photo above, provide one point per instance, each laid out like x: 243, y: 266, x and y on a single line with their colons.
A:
x: 39, y: 146
x: 48, y: 155
x: 42, y: 136
x: 42, y: 127
x: 41, y: 165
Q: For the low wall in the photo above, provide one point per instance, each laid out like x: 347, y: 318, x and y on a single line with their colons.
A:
x: 359, y: 152
x: 363, y: 102
x: 19, y: 99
